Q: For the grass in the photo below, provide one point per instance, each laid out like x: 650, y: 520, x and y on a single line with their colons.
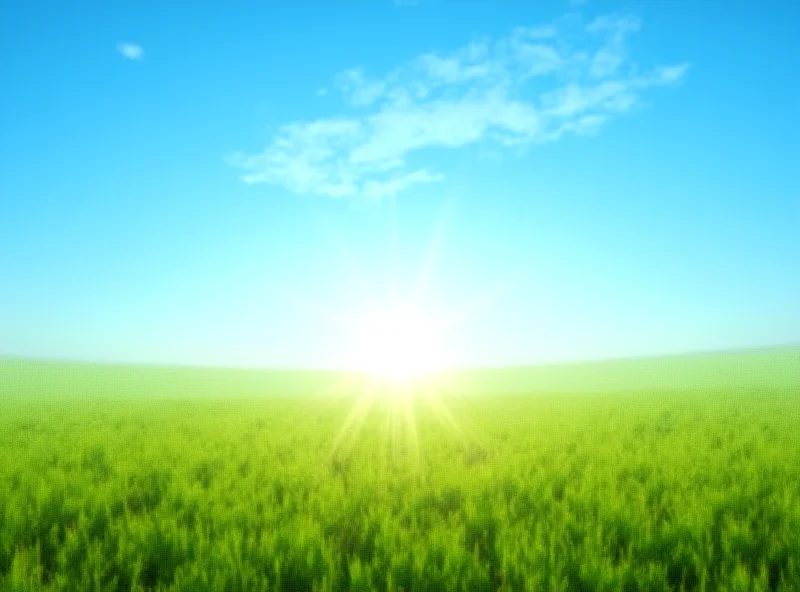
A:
x: 674, y: 474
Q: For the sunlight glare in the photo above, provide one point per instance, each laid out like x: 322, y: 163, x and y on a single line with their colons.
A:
x: 398, y: 346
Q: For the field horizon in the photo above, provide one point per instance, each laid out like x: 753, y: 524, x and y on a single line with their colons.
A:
x: 772, y: 366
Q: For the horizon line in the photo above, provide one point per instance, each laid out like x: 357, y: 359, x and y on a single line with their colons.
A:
x: 454, y: 369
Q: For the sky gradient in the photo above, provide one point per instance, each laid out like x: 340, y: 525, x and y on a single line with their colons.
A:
x: 562, y: 181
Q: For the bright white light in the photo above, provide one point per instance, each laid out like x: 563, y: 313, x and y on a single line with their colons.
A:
x: 398, y: 345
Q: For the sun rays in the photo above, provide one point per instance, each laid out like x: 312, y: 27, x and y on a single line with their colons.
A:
x: 396, y: 408
x: 395, y: 351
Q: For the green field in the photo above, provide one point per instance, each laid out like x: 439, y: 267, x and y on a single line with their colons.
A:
x: 671, y: 474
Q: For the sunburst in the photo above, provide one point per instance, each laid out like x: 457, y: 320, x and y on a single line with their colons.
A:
x: 397, y: 356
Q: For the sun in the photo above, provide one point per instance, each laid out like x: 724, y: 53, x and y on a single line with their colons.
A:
x: 398, y: 345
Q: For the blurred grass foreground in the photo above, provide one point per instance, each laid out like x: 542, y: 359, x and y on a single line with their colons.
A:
x: 662, y: 474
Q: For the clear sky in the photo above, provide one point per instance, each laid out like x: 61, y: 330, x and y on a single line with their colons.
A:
x: 218, y: 182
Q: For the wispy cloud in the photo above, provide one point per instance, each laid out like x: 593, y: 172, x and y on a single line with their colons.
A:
x: 131, y: 51
x: 529, y: 87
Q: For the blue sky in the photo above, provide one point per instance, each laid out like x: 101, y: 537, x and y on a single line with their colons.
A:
x: 218, y: 184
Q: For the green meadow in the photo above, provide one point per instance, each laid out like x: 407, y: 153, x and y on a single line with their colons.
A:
x: 666, y: 474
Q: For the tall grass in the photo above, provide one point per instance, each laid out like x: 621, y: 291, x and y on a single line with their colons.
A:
x: 692, y: 488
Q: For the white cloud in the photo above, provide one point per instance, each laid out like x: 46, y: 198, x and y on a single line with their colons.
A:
x: 131, y: 51
x: 361, y: 92
x: 617, y: 27
x: 529, y: 87
x: 378, y: 189
x: 671, y: 74
x: 615, y: 30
